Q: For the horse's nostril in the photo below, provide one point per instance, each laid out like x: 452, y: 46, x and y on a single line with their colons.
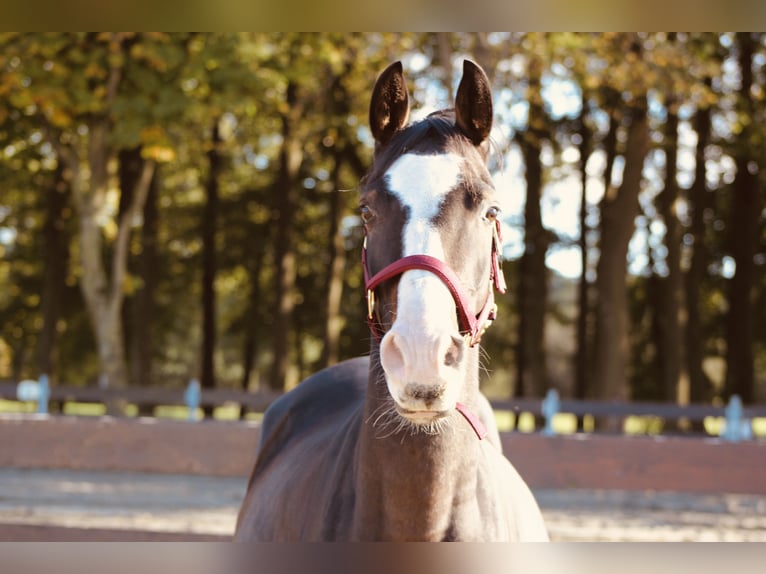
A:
x: 391, y: 356
x: 454, y: 353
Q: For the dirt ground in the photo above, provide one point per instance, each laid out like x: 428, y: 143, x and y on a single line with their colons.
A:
x: 206, y: 505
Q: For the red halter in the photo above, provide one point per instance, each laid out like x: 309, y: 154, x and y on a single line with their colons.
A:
x: 473, y: 324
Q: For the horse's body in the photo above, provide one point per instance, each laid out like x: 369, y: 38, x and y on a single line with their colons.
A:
x: 389, y: 448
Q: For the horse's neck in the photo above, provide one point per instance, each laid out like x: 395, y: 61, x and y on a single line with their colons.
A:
x: 414, y: 486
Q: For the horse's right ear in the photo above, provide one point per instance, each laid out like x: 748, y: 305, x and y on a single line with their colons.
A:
x: 390, y: 104
x: 473, y: 103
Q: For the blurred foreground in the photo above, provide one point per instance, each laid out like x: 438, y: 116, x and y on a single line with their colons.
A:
x: 197, y: 505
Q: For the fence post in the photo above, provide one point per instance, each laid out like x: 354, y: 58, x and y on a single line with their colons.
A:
x: 44, y: 395
x: 549, y: 409
x: 736, y: 426
x: 38, y: 391
x: 192, y: 398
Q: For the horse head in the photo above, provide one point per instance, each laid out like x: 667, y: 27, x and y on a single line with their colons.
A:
x: 432, y: 242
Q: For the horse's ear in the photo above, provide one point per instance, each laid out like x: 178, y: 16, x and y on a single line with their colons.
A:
x: 390, y: 104
x: 473, y: 103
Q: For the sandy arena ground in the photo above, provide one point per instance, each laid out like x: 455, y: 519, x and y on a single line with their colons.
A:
x: 206, y: 505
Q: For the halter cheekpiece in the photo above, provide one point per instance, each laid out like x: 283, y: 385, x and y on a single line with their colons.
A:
x: 473, y: 324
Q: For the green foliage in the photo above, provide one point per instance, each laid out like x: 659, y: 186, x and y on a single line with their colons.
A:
x: 173, y: 88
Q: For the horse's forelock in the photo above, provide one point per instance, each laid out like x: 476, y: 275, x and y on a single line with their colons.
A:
x: 436, y: 133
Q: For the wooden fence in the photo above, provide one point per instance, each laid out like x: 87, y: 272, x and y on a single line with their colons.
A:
x: 147, y: 396
x: 218, y: 448
x: 259, y: 401
x: 227, y: 448
x: 593, y: 460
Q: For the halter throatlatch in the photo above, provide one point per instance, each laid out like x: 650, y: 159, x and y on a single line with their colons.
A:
x: 473, y: 324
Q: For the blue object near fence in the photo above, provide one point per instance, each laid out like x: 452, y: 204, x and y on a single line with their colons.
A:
x: 192, y: 398
x: 736, y: 426
x: 551, y: 406
x: 38, y: 391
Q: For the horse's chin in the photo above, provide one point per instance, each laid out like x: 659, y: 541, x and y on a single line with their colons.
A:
x: 424, y: 417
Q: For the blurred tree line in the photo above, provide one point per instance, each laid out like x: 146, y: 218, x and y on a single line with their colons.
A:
x: 183, y: 205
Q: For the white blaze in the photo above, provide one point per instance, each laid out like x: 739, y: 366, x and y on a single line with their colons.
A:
x: 413, y: 350
x: 420, y: 183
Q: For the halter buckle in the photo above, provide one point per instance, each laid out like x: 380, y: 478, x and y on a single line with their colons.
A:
x: 370, y: 303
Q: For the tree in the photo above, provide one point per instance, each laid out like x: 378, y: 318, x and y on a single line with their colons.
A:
x: 670, y: 306
x: 700, y: 202
x: 209, y: 257
x: 532, y: 287
x: 73, y: 86
x: 56, y: 257
x: 743, y: 234
x: 102, y: 290
x: 140, y: 305
x: 263, y: 283
x: 619, y: 208
x: 583, y: 291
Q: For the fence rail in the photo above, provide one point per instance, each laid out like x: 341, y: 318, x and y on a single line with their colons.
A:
x: 228, y: 448
x: 738, y: 416
x: 146, y: 396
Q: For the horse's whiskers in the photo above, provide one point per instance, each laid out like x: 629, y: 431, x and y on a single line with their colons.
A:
x: 383, y: 418
x: 387, y: 421
x: 484, y: 361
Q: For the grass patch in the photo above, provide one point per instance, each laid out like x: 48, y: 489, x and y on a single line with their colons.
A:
x: 635, y: 425
x: 563, y: 423
x: 85, y: 409
x: 505, y: 420
x: 9, y: 407
x: 715, y: 426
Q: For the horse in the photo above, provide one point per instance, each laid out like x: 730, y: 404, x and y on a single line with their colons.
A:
x: 402, y: 446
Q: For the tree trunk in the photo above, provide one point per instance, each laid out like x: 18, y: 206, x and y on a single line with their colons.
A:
x: 619, y: 209
x: 103, y: 296
x: 209, y: 263
x: 610, y: 140
x: 254, y: 317
x: 671, y: 312
x: 139, y: 308
x: 743, y: 236
x: 104, y: 300
x: 583, y: 304
x: 700, y: 199
x: 144, y: 306
x: 333, y: 322
x: 291, y: 157
x: 56, y: 261
x: 531, y: 377
x: 128, y: 173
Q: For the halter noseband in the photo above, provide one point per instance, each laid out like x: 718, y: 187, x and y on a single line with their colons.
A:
x: 470, y: 323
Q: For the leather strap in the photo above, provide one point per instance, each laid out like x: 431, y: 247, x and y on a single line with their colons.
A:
x: 475, y: 422
x: 473, y: 324
x: 476, y: 324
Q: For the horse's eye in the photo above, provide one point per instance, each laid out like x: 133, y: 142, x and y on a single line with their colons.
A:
x: 366, y: 213
x: 492, y: 213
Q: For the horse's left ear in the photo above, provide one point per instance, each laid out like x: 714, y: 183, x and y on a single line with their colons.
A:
x: 473, y: 103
